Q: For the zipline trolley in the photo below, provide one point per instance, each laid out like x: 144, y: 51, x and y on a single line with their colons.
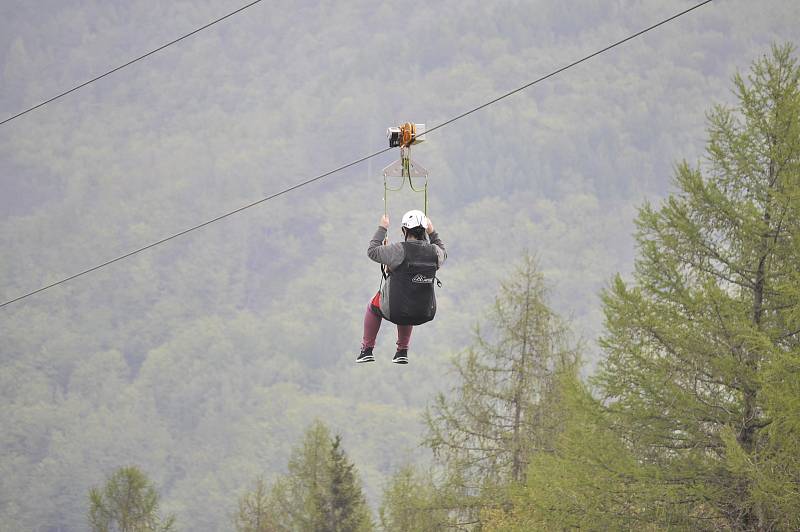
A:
x: 405, y: 169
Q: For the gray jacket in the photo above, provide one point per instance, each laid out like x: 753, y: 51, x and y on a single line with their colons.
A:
x: 392, y: 255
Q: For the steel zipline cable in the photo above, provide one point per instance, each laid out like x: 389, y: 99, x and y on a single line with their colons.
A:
x: 198, y: 226
x: 129, y: 63
x: 355, y: 162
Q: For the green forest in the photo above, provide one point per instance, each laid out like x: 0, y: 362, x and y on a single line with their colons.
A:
x: 616, y: 345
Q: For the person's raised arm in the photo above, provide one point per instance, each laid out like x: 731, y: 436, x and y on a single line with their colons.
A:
x: 433, y: 236
x: 392, y: 255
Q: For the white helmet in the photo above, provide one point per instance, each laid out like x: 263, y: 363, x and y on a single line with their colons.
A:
x: 415, y: 218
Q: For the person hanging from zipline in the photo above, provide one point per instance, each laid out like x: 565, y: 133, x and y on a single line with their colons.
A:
x: 407, y: 297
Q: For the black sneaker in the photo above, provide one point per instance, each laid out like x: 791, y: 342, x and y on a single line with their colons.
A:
x: 401, y: 357
x: 366, y: 355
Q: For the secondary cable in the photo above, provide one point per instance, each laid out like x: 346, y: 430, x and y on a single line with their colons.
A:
x: 132, y: 61
x: 198, y: 226
x: 352, y: 163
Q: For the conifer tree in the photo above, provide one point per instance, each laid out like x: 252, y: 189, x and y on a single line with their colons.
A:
x: 321, y: 491
x: 344, y: 505
x: 501, y: 411
x: 298, y: 494
x: 703, y: 348
x: 698, y: 426
x: 591, y: 480
x: 410, y: 503
x: 127, y: 503
x: 255, y: 513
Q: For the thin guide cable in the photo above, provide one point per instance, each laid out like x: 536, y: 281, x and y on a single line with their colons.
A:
x: 132, y: 61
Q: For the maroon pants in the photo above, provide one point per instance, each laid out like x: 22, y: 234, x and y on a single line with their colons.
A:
x: 372, y: 323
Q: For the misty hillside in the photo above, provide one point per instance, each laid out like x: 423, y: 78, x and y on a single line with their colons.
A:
x: 203, y: 360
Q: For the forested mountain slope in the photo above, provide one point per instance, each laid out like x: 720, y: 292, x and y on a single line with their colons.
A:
x: 202, y: 361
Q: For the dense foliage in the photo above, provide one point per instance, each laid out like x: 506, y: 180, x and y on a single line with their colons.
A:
x: 696, y: 428
x: 204, y: 360
x: 127, y: 503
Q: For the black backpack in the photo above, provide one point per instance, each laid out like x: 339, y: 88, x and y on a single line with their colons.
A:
x: 409, y: 298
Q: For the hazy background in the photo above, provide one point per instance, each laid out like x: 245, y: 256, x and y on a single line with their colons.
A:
x: 203, y: 360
